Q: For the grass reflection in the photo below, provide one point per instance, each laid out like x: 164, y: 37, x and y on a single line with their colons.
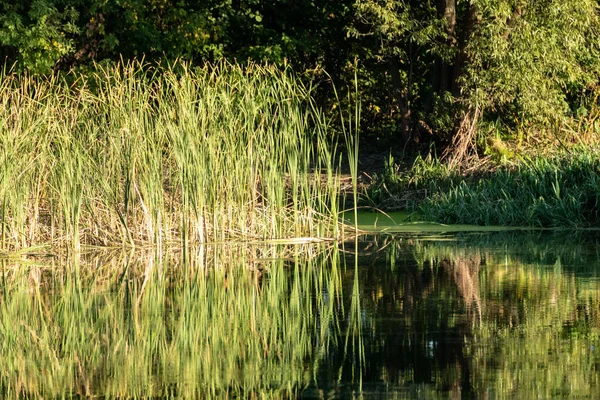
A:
x: 477, y: 316
x: 228, y: 322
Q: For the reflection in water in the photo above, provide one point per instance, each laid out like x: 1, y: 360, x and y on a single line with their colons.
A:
x: 480, y: 316
x: 235, y: 321
x: 458, y: 316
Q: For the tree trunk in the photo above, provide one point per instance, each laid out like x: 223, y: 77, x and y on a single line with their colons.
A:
x: 471, y: 22
x: 447, y: 10
x: 401, y: 95
x: 465, y: 125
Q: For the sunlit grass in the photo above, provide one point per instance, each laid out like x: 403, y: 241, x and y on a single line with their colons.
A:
x: 134, y: 155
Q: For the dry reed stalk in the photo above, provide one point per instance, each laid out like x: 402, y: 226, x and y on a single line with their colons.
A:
x: 464, y: 148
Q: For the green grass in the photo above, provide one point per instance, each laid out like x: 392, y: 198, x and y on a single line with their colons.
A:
x: 562, y: 191
x: 395, y: 190
x: 134, y: 155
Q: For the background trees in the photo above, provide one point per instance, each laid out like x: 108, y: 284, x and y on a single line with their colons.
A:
x: 526, y: 66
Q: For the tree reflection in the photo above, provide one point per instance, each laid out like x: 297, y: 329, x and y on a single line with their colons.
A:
x: 481, y: 315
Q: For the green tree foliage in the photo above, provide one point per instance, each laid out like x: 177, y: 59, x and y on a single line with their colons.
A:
x: 45, y: 34
x: 532, y: 64
x: 36, y: 34
x: 524, y: 64
x: 405, y: 43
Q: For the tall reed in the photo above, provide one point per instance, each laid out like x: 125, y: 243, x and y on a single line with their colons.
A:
x: 137, y: 155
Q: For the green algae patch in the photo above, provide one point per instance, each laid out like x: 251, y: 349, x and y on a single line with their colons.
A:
x: 400, y: 222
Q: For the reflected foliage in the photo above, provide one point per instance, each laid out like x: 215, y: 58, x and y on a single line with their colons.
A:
x: 500, y: 315
x: 228, y: 322
x: 494, y: 315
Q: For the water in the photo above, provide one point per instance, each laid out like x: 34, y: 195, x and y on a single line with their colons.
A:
x: 476, y: 316
x: 430, y: 315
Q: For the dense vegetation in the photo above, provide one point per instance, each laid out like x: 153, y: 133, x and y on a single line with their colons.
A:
x: 543, y: 192
x: 475, y: 79
x: 516, y: 69
x: 202, y: 143
x: 556, y: 190
x: 131, y: 156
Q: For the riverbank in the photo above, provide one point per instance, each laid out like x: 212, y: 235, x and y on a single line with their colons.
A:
x: 131, y: 155
x: 552, y: 190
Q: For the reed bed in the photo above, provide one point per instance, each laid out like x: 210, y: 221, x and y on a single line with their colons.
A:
x: 135, y: 155
x: 140, y: 326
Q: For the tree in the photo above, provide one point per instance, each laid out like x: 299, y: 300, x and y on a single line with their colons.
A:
x: 532, y: 63
x: 36, y: 33
x: 425, y: 67
x: 524, y: 64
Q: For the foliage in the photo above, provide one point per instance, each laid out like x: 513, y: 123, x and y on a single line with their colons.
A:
x: 37, y: 35
x: 54, y: 33
x: 532, y: 64
x: 400, y: 41
x: 139, y: 155
x: 529, y: 67
x: 543, y: 192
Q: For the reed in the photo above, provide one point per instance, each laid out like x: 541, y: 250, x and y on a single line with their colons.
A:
x: 136, y: 155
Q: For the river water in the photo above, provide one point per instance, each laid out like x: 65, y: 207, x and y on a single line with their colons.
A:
x: 403, y: 315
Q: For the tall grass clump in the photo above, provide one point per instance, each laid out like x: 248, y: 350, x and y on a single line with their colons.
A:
x: 133, y: 154
x: 559, y: 191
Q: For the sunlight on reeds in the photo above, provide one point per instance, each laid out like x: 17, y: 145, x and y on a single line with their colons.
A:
x: 135, y: 155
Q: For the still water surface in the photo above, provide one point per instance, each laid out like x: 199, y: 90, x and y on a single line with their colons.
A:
x: 459, y: 315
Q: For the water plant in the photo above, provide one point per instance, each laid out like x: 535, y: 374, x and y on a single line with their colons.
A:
x: 135, y: 155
